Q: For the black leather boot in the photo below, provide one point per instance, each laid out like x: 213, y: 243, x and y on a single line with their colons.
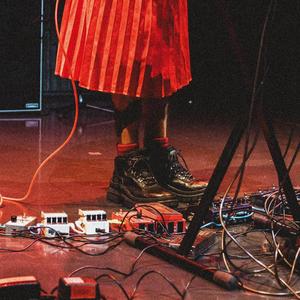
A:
x: 173, y: 176
x: 133, y: 182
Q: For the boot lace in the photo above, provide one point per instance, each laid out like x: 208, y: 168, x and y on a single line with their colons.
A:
x: 140, y: 169
x: 176, y: 167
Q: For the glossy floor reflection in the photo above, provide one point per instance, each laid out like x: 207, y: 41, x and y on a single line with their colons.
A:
x: 78, y: 178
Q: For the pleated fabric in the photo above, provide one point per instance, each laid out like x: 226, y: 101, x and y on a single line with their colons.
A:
x: 138, y: 48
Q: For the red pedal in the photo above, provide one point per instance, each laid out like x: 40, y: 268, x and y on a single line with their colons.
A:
x: 150, y: 217
x: 78, y: 288
x: 132, y: 221
x: 174, y: 221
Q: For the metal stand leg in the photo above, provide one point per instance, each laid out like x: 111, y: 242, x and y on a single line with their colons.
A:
x: 221, y: 169
x: 213, y: 186
x: 282, y: 171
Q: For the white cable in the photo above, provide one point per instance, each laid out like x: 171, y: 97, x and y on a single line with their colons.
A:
x: 225, y: 230
x: 78, y: 228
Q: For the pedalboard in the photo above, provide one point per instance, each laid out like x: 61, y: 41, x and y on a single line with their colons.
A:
x: 235, y: 212
x: 258, y: 198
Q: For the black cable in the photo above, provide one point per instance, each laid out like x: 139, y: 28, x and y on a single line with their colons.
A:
x: 157, y: 273
x: 81, y: 238
x: 98, y: 253
x: 124, y: 218
x: 229, y: 257
x: 277, y: 277
x: 240, y: 173
x: 290, y: 138
x: 125, y: 274
x: 240, y: 170
x: 64, y: 240
x: 253, y: 102
x: 117, y: 283
x: 291, y: 163
x: 281, y: 196
x: 132, y: 270
x: 20, y: 250
x: 187, y: 286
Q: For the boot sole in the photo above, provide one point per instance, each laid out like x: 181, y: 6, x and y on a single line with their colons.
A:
x: 186, y: 196
x: 119, y: 195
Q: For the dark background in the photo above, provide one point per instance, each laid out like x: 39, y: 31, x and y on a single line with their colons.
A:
x: 224, y: 39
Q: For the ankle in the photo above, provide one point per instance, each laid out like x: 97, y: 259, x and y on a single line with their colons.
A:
x: 157, y: 143
x: 123, y: 149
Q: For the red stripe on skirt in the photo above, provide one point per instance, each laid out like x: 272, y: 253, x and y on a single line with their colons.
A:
x: 133, y: 47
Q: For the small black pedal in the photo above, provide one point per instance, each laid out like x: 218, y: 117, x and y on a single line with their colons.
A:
x: 16, y: 288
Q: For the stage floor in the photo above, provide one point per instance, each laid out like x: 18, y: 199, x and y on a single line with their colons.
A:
x: 78, y: 178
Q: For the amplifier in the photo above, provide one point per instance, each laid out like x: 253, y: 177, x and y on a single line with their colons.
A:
x: 21, y: 44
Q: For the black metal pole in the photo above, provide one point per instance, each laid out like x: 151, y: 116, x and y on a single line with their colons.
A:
x: 213, y: 186
x: 282, y: 171
x: 223, y: 279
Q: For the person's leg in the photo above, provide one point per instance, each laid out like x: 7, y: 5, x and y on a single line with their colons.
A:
x: 155, y: 118
x: 132, y: 181
x: 127, y: 122
x: 164, y: 159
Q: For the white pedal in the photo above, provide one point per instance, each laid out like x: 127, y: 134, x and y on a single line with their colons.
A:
x: 93, y: 221
x: 54, y: 224
x: 19, y: 223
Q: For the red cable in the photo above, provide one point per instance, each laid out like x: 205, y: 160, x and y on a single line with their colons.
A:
x: 55, y: 152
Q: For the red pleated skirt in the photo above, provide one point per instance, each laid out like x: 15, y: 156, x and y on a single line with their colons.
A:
x: 138, y: 48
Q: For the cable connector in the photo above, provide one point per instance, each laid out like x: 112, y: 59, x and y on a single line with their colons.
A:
x: 226, y: 280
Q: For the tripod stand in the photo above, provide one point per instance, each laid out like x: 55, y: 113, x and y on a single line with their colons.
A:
x: 233, y: 142
x: 180, y: 257
x: 222, y: 166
